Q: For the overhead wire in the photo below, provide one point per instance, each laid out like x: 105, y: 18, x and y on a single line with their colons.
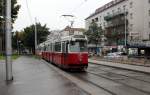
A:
x: 29, y: 12
x: 78, y: 6
x: 81, y: 4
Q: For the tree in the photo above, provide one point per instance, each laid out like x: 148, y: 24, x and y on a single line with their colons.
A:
x: 14, y: 10
x: 28, y: 35
x: 94, y: 34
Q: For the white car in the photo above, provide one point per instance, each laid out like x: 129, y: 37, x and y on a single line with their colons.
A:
x: 112, y: 55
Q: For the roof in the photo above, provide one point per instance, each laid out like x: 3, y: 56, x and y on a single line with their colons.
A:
x: 105, y: 7
x: 73, y: 29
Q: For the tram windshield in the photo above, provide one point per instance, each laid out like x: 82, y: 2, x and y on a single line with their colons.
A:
x: 78, y: 46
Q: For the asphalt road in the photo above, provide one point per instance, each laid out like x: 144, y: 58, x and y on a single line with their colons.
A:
x: 38, y: 77
x: 116, y: 81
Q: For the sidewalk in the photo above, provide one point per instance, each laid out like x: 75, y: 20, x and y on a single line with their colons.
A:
x: 125, y: 60
x: 140, y: 68
x: 33, y: 77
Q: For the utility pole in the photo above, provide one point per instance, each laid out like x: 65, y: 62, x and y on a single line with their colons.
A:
x: 71, y: 21
x: 125, y: 43
x: 35, y: 35
x: 8, y: 43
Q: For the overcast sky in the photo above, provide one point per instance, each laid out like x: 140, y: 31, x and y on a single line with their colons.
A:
x: 49, y: 12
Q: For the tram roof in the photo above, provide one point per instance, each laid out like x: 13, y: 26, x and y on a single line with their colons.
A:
x: 66, y: 38
x: 74, y: 38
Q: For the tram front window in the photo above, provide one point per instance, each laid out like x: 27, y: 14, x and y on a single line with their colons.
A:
x: 78, y: 46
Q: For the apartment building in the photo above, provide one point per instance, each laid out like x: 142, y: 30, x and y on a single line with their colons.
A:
x: 126, y: 22
x: 72, y: 31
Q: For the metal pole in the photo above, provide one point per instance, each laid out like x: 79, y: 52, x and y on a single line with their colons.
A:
x: 125, y: 28
x: 17, y: 46
x: 35, y: 36
x: 8, y: 43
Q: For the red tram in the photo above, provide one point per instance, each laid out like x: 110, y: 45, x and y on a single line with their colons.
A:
x: 69, y: 53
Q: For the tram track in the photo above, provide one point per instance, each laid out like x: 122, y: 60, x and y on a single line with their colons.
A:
x: 112, y: 93
x: 120, y: 83
x: 112, y: 86
x: 120, y: 74
x: 118, y: 80
x: 95, y: 81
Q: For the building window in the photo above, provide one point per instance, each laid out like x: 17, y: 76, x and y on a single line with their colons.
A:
x: 104, y: 24
x: 100, y: 18
x: 131, y: 4
x: 100, y: 25
x: 119, y: 10
x: 96, y: 19
x: 124, y: 7
x: 113, y: 12
x: 92, y: 20
x: 108, y: 13
x: 131, y: 27
x: 131, y: 16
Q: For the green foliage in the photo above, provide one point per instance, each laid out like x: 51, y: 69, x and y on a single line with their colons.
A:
x: 94, y: 33
x: 28, y: 35
x: 14, y: 57
x: 14, y: 10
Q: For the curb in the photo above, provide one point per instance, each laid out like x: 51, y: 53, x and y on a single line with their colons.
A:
x: 123, y: 66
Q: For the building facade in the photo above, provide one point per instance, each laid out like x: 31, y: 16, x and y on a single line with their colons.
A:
x: 72, y: 31
x: 126, y: 22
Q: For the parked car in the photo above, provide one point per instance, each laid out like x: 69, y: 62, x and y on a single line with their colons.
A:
x: 120, y: 53
x: 90, y: 54
x: 113, y: 55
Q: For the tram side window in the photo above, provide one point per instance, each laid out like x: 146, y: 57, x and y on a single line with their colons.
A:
x: 44, y: 48
x: 47, y: 47
x: 51, y: 47
x: 63, y: 47
x: 58, y: 47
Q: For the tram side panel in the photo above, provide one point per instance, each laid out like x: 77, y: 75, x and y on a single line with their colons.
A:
x: 57, y: 58
x: 77, y: 59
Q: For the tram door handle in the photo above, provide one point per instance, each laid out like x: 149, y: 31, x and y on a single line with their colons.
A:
x: 65, y: 54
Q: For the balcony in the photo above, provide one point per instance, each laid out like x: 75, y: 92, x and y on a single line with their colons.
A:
x: 117, y: 23
x: 115, y: 15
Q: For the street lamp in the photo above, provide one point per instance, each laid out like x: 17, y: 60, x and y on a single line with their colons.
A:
x: 71, y: 21
x: 125, y: 42
x: 35, y: 35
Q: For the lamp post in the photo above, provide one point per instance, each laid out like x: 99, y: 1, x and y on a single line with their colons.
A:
x: 71, y: 21
x: 35, y: 35
x: 8, y: 25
